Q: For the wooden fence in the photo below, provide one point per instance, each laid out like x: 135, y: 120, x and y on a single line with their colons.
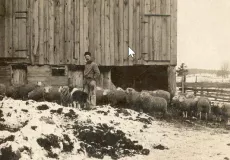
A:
x: 214, y: 94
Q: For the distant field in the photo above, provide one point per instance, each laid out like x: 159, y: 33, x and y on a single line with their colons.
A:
x: 206, y: 84
x: 208, y: 78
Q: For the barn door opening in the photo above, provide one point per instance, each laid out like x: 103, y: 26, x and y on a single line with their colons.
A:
x: 20, y: 21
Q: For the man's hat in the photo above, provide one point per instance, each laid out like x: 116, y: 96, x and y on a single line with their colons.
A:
x: 87, y: 53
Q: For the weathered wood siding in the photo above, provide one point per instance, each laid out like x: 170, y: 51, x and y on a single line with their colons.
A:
x: 2, y: 25
x: 5, y: 74
x: 44, y: 74
x: 60, y: 31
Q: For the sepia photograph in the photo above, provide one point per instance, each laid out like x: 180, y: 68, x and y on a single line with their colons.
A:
x: 115, y: 79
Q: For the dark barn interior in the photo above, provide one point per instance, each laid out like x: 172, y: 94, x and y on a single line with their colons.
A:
x: 140, y: 77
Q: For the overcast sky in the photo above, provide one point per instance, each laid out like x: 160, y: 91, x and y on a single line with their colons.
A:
x: 203, y: 33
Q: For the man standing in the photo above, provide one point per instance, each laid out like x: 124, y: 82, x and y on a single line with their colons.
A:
x: 91, y: 76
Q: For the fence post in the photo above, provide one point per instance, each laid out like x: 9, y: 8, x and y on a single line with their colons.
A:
x: 195, y: 89
x: 202, y: 91
x: 216, y: 94
x: 182, y: 84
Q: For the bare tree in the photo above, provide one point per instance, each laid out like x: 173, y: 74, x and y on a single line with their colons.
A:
x: 182, y: 71
x: 224, y: 70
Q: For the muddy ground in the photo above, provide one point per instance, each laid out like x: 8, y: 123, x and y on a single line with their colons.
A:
x: 42, y: 131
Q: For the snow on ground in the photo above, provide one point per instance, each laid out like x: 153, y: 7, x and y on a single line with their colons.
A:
x: 23, y: 123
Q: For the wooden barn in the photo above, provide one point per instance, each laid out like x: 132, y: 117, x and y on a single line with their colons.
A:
x: 44, y: 41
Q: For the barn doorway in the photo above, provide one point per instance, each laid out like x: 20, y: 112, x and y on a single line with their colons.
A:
x: 140, y: 77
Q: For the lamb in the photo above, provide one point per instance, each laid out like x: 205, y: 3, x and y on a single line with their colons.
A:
x: 203, y: 106
x: 162, y: 94
x: 216, y: 110
x: 150, y: 103
x: 115, y: 97
x: 132, y: 98
x: 226, y: 111
x: 185, y: 105
x: 37, y: 94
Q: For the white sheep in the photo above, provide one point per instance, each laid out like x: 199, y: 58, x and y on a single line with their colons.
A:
x: 162, y: 94
x: 184, y: 104
x: 150, y: 103
x: 115, y: 97
x: 132, y: 98
x: 203, y: 106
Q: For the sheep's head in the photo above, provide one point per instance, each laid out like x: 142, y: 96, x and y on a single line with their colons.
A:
x: 106, y: 91
x: 182, y: 99
x: 221, y: 105
x: 47, y: 89
x: 63, y: 88
x: 189, y: 95
x: 129, y: 90
x: 155, y: 92
x: 196, y: 99
x: 99, y: 88
x: 120, y: 89
x: 144, y: 94
x: 73, y: 90
x: 39, y: 83
x: 175, y: 98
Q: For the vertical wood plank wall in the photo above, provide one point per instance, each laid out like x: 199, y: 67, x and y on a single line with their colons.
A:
x: 2, y: 27
x: 60, y: 31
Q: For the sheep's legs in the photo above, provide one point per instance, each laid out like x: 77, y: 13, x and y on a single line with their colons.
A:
x: 186, y: 114
x: 219, y: 118
x: 200, y: 115
x: 78, y: 106
x: 74, y: 104
x: 206, y: 116
x: 183, y: 114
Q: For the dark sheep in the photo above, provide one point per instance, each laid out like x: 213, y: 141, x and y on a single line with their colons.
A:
x: 226, y: 111
x: 23, y: 90
x: 2, y: 90
x: 52, y: 94
x: 37, y: 94
x: 216, y: 110
x: 80, y: 97
x: 101, y: 99
x: 12, y: 92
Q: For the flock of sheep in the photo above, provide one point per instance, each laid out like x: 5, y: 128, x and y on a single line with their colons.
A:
x: 158, y: 101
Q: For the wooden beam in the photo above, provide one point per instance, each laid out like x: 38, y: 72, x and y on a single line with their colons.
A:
x: 162, y: 15
x: 173, y: 32
x: 172, y: 80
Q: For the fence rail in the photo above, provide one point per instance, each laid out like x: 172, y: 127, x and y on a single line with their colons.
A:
x: 217, y: 94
